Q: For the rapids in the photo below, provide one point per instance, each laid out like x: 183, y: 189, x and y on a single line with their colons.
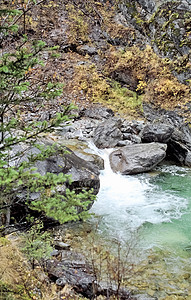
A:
x: 155, y: 203
x: 150, y: 215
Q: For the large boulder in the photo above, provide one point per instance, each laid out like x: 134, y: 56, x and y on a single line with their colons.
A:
x: 84, y: 175
x: 156, y: 132
x: 137, y: 158
x: 108, y: 133
x: 179, y: 144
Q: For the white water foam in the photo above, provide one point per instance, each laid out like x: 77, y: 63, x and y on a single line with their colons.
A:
x: 127, y: 202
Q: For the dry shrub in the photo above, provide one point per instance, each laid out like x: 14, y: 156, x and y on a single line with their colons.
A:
x: 149, y: 74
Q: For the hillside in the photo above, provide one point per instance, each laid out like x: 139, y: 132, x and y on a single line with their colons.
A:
x: 117, y: 53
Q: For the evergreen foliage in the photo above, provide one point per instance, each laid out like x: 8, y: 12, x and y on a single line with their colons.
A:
x: 21, y: 85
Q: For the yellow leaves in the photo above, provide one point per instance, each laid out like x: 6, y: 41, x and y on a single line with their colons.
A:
x: 77, y: 24
x: 141, y: 86
x: 48, y: 192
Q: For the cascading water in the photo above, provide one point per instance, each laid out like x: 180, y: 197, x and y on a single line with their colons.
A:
x: 150, y: 215
x: 155, y: 203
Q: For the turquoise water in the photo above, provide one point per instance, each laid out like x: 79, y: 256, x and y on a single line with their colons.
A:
x: 174, y: 234
x: 152, y: 213
x: 156, y: 204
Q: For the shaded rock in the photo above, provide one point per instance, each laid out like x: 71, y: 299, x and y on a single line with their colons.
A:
x: 124, y: 76
x: 107, y: 134
x: 179, y: 152
x: 84, y: 175
x: 179, y: 144
x: 137, y: 158
x: 156, y: 133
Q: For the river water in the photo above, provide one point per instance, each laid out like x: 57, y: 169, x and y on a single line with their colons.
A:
x: 156, y: 208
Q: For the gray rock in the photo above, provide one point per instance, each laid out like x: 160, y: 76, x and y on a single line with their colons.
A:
x: 86, y: 49
x: 124, y: 143
x: 97, y: 112
x: 143, y: 297
x: 61, y: 245
x: 74, y: 270
x: 179, y: 152
x: 108, y: 133
x: 137, y: 158
x: 55, y: 252
x: 156, y: 132
x: 179, y: 144
x: 84, y: 175
x: 82, y: 150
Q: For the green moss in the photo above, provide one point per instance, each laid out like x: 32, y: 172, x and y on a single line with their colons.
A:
x: 123, y: 100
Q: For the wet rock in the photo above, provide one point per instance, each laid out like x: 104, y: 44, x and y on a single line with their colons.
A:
x: 108, y: 133
x: 157, y: 132
x: 137, y: 158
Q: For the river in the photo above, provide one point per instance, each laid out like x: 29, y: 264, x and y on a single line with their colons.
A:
x: 155, y: 209
x: 151, y: 212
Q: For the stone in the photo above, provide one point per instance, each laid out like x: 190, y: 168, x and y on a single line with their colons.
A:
x: 179, y: 143
x: 61, y: 245
x: 84, y: 174
x: 156, y: 132
x: 86, y: 49
x: 108, y: 133
x: 138, y: 158
x: 97, y: 112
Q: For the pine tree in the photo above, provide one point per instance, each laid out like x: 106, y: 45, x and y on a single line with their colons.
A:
x: 20, y: 88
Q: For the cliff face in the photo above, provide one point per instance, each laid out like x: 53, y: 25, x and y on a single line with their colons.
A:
x: 167, y: 24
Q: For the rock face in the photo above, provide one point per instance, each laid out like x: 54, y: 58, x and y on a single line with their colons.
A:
x: 97, y: 113
x: 137, y: 158
x: 179, y: 143
x: 84, y: 174
x: 108, y: 133
x: 162, y: 21
x: 179, y: 146
x: 158, y: 132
